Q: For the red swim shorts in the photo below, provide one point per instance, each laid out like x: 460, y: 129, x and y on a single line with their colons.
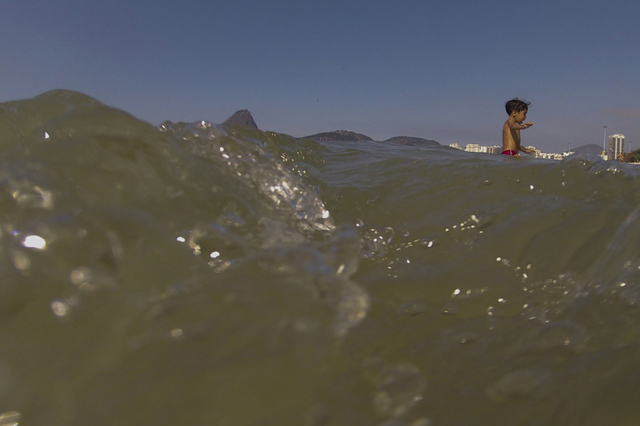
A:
x: 509, y: 152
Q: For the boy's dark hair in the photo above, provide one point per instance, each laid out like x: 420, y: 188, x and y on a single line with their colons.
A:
x: 516, y: 105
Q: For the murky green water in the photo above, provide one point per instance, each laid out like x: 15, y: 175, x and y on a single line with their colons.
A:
x: 195, y: 274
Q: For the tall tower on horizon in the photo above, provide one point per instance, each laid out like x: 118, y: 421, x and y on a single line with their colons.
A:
x: 616, y: 146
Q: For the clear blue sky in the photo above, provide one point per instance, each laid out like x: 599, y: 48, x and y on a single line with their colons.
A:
x: 438, y: 69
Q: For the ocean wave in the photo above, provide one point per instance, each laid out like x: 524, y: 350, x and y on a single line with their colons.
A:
x: 235, y: 276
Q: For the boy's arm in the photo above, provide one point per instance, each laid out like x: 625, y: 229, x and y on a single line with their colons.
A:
x: 516, y: 126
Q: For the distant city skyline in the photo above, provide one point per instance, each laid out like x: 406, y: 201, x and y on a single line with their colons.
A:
x: 496, y: 149
x: 434, y: 70
x: 615, y: 149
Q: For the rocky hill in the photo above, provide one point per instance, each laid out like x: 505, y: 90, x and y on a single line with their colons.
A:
x: 338, y: 135
x: 241, y: 118
x: 244, y: 118
x: 411, y: 141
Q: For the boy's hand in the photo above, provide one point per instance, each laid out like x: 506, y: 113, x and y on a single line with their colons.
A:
x: 527, y: 124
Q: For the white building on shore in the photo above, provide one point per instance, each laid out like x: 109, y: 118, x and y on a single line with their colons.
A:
x: 474, y: 147
x: 616, y: 147
x: 494, y: 149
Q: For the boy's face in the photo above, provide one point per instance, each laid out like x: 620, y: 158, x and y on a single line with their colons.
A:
x: 520, y: 116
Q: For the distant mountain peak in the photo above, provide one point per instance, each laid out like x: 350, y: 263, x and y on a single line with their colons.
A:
x: 412, y: 141
x: 338, y: 135
x: 241, y: 118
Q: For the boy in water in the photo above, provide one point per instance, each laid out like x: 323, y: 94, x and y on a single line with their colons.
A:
x: 517, y: 111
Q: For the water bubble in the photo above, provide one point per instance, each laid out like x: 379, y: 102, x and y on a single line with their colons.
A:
x: 504, y: 261
x: 81, y: 276
x: 450, y: 308
x: 468, y: 337
x: 63, y: 308
x: 375, y: 243
x: 60, y: 309
x: 20, y: 261
x: 429, y: 242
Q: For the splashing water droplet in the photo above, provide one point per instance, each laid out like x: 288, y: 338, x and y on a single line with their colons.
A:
x: 34, y: 242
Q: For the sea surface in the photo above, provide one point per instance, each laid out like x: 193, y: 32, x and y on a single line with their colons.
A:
x: 195, y: 274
